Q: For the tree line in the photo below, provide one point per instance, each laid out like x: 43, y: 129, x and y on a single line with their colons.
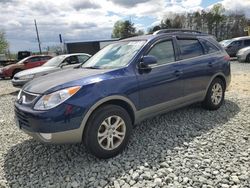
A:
x: 215, y: 21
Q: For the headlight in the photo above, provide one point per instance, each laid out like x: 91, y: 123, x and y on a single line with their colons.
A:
x: 54, y: 99
x: 26, y: 77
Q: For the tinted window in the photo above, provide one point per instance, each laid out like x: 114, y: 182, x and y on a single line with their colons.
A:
x: 190, y: 48
x: 236, y: 43
x: 247, y: 42
x: 82, y: 58
x: 45, y: 58
x: 34, y: 59
x: 209, y: 47
x: 71, y: 60
x: 164, y: 52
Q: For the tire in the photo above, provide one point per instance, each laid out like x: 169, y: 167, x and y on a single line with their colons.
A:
x: 14, y: 72
x: 100, y: 123
x: 248, y: 58
x: 215, y: 95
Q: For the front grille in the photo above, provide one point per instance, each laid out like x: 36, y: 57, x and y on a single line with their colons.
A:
x: 21, y: 118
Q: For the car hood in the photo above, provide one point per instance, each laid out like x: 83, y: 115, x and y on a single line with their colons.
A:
x: 55, y: 80
x: 36, y: 70
x: 8, y: 66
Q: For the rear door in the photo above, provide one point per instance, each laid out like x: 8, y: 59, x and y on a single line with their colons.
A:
x: 246, y: 42
x: 162, y: 84
x: 196, y: 67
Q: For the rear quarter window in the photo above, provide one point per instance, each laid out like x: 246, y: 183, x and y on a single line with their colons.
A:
x: 209, y: 47
x: 190, y: 48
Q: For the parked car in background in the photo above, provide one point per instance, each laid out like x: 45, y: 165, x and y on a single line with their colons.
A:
x: 225, y: 42
x: 122, y: 84
x: 236, y: 44
x: 243, y: 55
x: 55, y: 64
x: 26, y: 63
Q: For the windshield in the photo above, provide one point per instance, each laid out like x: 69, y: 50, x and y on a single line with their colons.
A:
x: 21, y: 61
x: 115, y: 55
x: 54, y: 62
x: 225, y: 42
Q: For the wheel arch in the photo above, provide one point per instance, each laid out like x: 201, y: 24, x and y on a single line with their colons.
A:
x: 220, y: 76
x: 122, y: 101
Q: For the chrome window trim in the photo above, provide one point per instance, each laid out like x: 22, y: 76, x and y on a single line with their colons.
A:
x: 179, y: 61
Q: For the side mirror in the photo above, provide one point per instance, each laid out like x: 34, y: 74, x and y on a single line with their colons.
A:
x: 25, y: 62
x: 146, y: 61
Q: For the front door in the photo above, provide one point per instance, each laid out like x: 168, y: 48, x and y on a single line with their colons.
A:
x: 162, y: 85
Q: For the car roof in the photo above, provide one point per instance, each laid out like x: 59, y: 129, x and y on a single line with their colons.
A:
x: 241, y: 38
x: 68, y: 55
x: 174, y: 33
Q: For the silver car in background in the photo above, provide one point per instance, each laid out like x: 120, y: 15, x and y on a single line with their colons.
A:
x: 55, y: 64
x: 243, y: 55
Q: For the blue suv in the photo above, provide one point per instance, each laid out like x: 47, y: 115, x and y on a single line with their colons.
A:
x: 127, y: 81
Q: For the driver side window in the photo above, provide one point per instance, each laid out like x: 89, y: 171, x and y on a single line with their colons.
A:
x: 164, y: 52
x: 71, y: 60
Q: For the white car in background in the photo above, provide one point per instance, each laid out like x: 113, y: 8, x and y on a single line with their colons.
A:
x: 57, y: 63
x: 243, y: 55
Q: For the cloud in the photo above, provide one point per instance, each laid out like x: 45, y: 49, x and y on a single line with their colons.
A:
x: 128, y: 3
x: 85, y: 4
x: 80, y: 20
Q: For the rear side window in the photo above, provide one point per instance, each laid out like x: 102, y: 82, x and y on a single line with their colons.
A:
x: 164, y: 52
x: 190, y: 48
x: 209, y: 47
x: 35, y: 59
x: 247, y: 42
x: 44, y: 58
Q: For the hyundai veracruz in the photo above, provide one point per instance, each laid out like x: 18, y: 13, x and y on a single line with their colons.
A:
x: 121, y: 85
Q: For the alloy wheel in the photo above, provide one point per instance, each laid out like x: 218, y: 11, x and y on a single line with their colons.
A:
x: 111, y: 132
x: 217, y: 93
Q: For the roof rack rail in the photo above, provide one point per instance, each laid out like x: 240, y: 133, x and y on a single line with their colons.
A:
x: 177, y: 30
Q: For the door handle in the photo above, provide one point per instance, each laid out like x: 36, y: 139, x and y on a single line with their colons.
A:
x: 210, y: 64
x: 178, y: 73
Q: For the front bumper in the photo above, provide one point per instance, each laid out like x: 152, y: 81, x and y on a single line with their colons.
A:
x: 18, y: 83
x: 72, y: 136
x: 241, y: 58
x: 52, y: 126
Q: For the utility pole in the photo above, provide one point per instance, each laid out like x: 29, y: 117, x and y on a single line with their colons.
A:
x: 38, y: 39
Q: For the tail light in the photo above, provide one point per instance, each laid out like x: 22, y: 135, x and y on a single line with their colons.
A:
x: 227, y: 58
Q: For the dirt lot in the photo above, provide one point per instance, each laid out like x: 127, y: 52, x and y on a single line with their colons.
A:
x: 189, y: 147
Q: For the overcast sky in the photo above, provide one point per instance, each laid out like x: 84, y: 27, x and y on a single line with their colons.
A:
x: 79, y: 20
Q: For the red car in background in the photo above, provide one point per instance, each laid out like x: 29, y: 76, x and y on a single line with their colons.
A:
x: 26, y: 63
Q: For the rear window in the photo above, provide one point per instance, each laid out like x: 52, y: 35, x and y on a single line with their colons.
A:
x: 209, y: 47
x: 190, y: 48
x: 247, y: 42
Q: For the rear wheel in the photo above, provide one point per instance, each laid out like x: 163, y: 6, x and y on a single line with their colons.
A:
x: 108, y: 130
x: 248, y: 58
x: 215, y: 95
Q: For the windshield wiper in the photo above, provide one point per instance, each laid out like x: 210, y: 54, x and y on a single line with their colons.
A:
x: 92, y: 67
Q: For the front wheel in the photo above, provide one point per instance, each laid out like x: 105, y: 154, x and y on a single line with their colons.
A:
x: 248, y: 58
x: 108, y: 130
x: 215, y: 95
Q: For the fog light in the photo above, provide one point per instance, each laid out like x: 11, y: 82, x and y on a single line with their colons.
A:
x: 46, y: 136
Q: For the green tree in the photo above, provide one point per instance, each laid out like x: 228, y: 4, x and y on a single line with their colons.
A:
x: 123, y: 29
x: 3, y: 43
x: 218, y: 16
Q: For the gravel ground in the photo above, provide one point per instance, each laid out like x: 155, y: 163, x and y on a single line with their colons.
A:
x: 190, y: 147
